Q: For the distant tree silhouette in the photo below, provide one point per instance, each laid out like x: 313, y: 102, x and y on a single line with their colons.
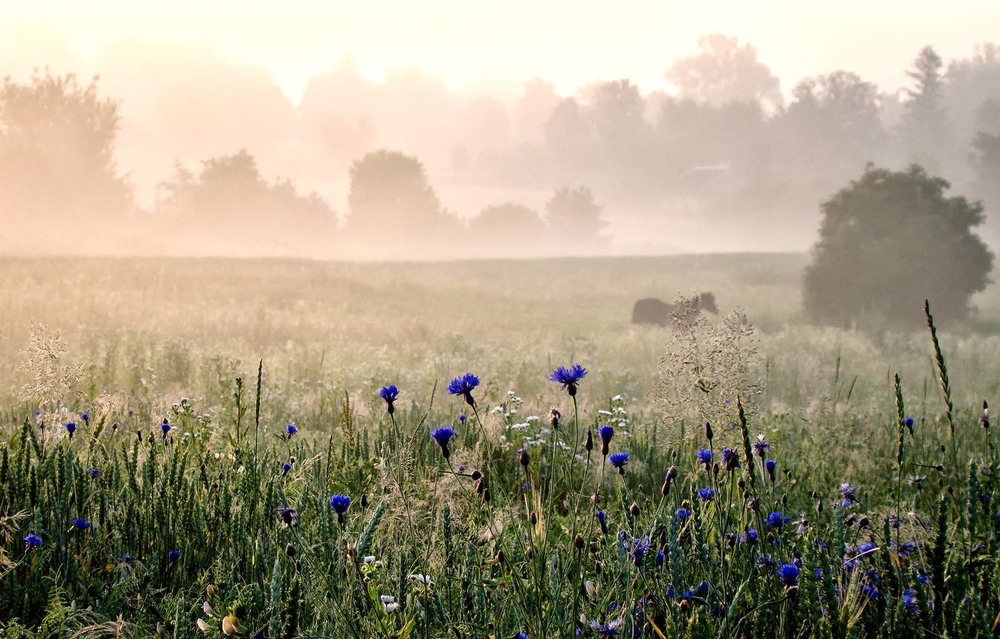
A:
x: 574, y: 219
x: 57, y: 142
x: 924, y: 127
x: 833, y: 122
x: 391, y: 203
x: 889, y: 241
x: 508, y: 229
x: 229, y: 198
x: 725, y: 71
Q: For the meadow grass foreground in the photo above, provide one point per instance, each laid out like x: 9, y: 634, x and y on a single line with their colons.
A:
x: 475, y: 450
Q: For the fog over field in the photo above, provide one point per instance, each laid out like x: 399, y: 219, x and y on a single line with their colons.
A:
x: 334, y: 130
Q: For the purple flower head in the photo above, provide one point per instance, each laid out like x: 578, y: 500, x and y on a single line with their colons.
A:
x: 31, y: 542
x: 165, y: 426
x: 750, y: 537
x: 71, y: 428
x: 770, y: 466
x: 789, y: 574
x: 635, y: 547
x: 340, y: 504
x: 290, y: 430
x: 569, y: 378
x: 82, y: 524
x: 609, y: 629
x: 683, y: 514
x: 442, y: 436
x: 761, y: 446
x: 910, y: 599
x: 777, y: 519
x: 389, y: 394
x: 464, y: 386
x: 606, y: 433
x: 619, y: 460
x: 730, y: 459
x: 173, y: 556
x: 849, y: 495
x: 705, y: 457
x: 706, y: 494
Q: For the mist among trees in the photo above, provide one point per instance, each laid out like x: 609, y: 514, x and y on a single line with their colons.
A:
x: 175, y: 151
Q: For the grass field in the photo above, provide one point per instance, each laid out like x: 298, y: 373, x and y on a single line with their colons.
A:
x: 864, y: 526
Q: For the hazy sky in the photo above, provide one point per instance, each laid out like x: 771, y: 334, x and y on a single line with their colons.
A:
x: 477, y: 43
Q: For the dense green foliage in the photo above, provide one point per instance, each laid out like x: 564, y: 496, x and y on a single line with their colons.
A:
x: 213, y: 485
x: 890, y: 240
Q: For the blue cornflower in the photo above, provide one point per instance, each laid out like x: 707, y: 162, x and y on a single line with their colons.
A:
x: 165, y: 426
x: 463, y: 386
x: 750, y: 537
x: 462, y: 418
x: 908, y: 423
x: 603, y: 520
x: 523, y: 635
x: 173, y: 556
x: 635, y: 547
x: 661, y: 558
x: 128, y: 558
x: 71, y: 428
x: 389, y: 394
x: 767, y: 561
x: 777, y: 519
x: 789, y: 574
x: 702, y: 590
x: 730, y: 459
x: 442, y: 436
x: 761, y: 446
x: 705, y: 457
x: 569, y: 378
x: 340, y: 504
x: 849, y: 495
x: 609, y: 629
x: 683, y: 514
x: 291, y: 429
x: 770, y: 466
x: 910, y: 599
x: 706, y: 494
x: 619, y: 460
x: 85, y: 417
x: 870, y: 591
x: 285, y: 467
x: 93, y: 473
x: 606, y: 433
x: 32, y: 541
x: 82, y: 524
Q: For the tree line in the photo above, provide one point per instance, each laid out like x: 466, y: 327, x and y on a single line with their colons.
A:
x: 726, y: 139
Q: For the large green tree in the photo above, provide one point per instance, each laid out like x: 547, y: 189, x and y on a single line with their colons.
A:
x: 57, y: 152
x: 888, y: 242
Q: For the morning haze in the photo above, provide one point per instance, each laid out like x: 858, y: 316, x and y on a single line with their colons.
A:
x: 332, y: 131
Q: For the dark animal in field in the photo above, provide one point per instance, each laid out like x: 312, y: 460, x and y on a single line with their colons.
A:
x: 650, y: 310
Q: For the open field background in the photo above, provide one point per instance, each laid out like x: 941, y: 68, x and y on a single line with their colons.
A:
x: 132, y: 342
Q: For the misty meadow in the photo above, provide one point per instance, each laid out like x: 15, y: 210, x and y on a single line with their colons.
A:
x: 397, y: 360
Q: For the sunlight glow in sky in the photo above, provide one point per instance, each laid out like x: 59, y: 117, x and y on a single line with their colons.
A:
x: 475, y: 44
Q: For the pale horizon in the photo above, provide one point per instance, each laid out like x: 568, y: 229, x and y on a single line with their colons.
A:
x: 493, y: 48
